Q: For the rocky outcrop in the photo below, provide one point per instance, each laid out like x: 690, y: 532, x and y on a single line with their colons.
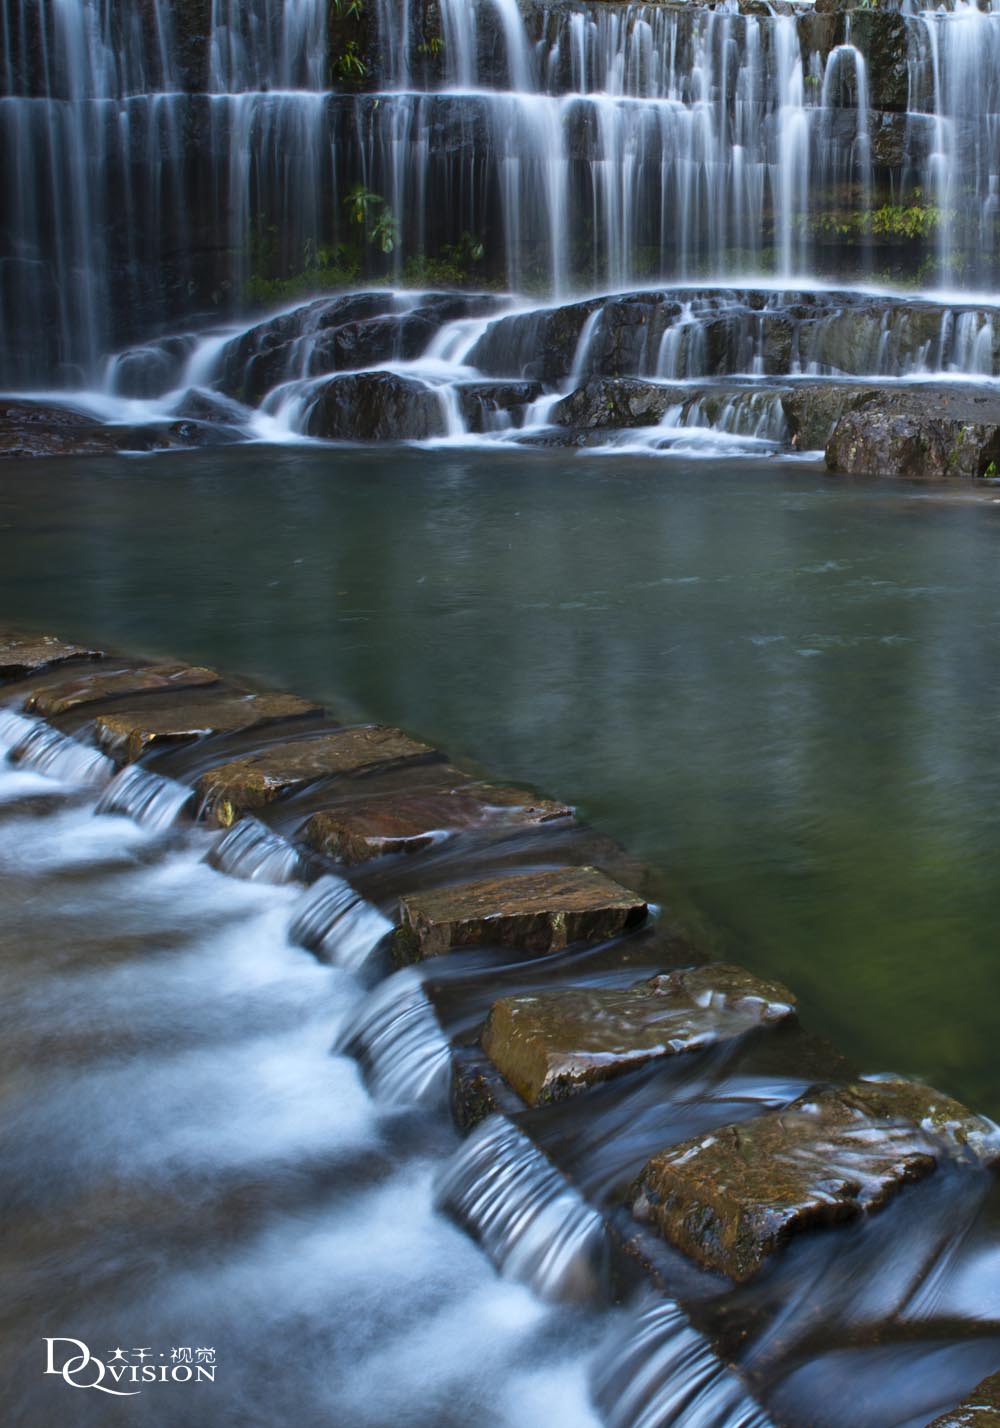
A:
x: 30, y: 428
x: 536, y: 911
x: 732, y: 1198
x: 925, y: 434
x: 554, y: 1044
x: 376, y: 406
x: 338, y: 334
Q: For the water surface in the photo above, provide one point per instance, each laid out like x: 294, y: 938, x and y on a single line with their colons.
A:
x: 777, y: 686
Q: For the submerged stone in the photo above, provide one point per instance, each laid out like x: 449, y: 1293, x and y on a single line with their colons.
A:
x: 22, y: 655
x: 730, y: 1199
x: 980, y: 1410
x: 550, y: 1045
x: 245, y: 784
x: 130, y: 733
x: 60, y: 698
x: 537, y: 911
x: 409, y: 822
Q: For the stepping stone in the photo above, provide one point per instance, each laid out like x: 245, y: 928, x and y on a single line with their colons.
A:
x: 130, y: 733
x: 553, y: 1044
x: 91, y: 689
x: 245, y: 784
x: 980, y: 1410
x: 540, y: 912
x: 731, y: 1198
x: 409, y: 822
x: 24, y: 655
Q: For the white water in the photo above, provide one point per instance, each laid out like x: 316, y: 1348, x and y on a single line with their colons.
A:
x: 588, y: 148
x: 170, y: 1093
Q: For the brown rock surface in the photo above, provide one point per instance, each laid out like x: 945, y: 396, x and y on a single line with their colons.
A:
x: 733, y: 1197
x: 550, y: 1045
x: 245, y: 784
x: 980, y: 1410
x: 91, y: 689
x: 130, y: 733
x: 406, y: 823
x: 537, y: 911
x: 22, y: 655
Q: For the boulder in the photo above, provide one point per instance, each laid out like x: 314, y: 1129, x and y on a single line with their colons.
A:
x: 487, y: 406
x: 243, y: 785
x: 730, y: 1199
x: 936, y: 433
x: 22, y: 655
x: 128, y: 734
x: 376, y: 406
x: 338, y: 334
x: 617, y: 402
x: 553, y: 1044
x: 539, y: 912
x: 980, y: 1410
x: 410, y: 822
x: 92, y: 689
x: 812, y: 410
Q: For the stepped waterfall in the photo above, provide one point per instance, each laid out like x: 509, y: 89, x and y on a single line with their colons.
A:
x: 797, y: 189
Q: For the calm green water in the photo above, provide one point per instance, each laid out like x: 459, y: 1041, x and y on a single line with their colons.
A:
x: 780, y: 688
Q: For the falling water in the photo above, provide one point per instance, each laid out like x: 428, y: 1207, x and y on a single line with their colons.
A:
x: 160, y: 173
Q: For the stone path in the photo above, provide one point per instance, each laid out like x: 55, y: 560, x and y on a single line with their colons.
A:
x: 553, y: 994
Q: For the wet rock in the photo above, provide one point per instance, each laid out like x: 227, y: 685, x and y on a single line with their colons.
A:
x: 553, y: 1044
x: 60, y: 698
x: 980, y: 1410
x: 617, y: 402
x: 22, y: 655
x: 376, y: 406
x: 881, y: 37
x: 410, y: 822
x: 151, y: 369
x: 537, y: 911
x: 538, y: 346
x: 243, y: 785
x: 812, y: 410
x: 30, y: 429
x: 934, y: 434
x: 488, y: 406
x: 338, y: 334
x: 198, y: 405
x: 732, y: 1198
x: 131, y: 733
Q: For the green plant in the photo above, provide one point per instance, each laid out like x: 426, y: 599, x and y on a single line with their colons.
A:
x: 433, y: 46
x: 349, y: 63
x: 370, y: 212
x: 349, y: 9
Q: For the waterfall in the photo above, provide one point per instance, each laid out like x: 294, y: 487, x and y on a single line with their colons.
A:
x: 167, y: 166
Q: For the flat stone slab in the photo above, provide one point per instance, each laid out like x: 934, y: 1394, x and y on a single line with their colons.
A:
x: 24, y: 655
x: 730, y: 1199
x: 93, y: 688
x: 243, y: 785
x: 540, y: 912
x: 980, y: 1410
x: 409, y: 822
x: 553, y: 1044
x: 130, y: 733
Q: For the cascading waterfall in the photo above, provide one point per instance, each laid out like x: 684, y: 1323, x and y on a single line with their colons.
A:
x: 166, y: 166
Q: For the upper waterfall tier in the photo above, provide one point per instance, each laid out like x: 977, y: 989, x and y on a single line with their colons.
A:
x: 170, y: 162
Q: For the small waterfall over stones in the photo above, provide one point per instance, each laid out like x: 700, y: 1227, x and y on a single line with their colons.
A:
x: 148, y: 798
